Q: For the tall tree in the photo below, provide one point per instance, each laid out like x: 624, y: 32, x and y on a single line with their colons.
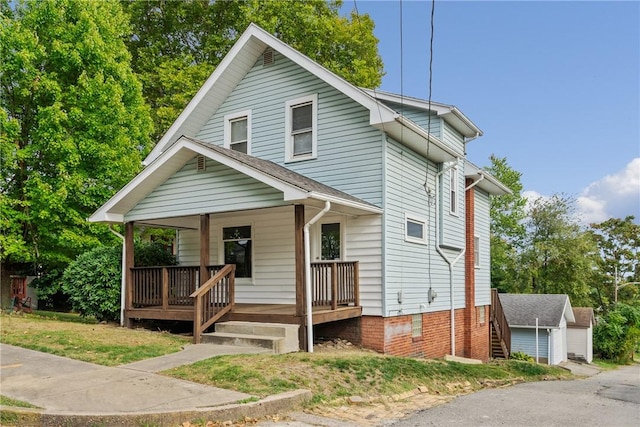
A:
x: 619, y: 245
x: 177, y: 44
x: 507, y: 227
x: 73, y: 122
x: 557, y: 256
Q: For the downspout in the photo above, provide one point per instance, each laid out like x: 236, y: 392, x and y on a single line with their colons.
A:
x: 123, y: 280
x: 450, y: 263
x: 307, y: 273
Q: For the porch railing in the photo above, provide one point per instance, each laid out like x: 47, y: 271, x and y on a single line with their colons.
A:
x: 499, y: 323
x: 166, y: 286
x: 335, y: 283
x: 213, y: 300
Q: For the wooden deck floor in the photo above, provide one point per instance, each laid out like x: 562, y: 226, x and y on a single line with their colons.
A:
x: 268, y: 313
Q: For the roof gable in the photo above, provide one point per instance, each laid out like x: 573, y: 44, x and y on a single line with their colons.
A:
x: 294, y: 186
x: 522, y: 310
x: 241, y: 58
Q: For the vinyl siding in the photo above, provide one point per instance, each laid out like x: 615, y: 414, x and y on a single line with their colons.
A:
x: 273, y: 279
x: 452, y: 138
x: 349, y: 149
x: 216, y: 189
x: 419, y: 117
x: 524, y: 340
x: 452, y: 226
x: 412, y: 267
x: 483, y: 272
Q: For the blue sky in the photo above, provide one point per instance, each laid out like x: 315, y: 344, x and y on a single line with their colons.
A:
x: 555, y: 87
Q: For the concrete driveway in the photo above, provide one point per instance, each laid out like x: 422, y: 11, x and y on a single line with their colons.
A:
x: 611, y: 398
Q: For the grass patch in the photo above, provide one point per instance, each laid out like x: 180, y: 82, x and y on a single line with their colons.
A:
x: 7, y: 401
x: 72, y: 336
x: 332, y: 376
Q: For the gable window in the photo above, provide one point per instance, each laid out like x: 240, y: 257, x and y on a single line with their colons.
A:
x: 476, y: 251
x: 301, y: 128
x: 453, y: 191
x: 415, y: 229
x: 238, y: 249
x: 237, y: 131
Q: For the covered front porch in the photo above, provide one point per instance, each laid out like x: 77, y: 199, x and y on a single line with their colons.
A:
x: 247, y: 230
x: 174, y: 293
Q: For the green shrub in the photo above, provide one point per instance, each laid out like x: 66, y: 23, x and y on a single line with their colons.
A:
x: 617, y: 334
x: 92, y: 282
x: 519, y: 355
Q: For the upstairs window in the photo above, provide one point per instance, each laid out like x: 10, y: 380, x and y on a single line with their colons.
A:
x: 237, y: 132
x: 238, y: 249
x: 453, y: 191
x: 301, y: 128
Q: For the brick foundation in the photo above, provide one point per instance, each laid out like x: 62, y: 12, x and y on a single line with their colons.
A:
x: 392, y: 335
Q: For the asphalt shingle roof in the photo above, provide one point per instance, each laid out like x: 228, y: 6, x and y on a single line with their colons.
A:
x: 280, y: 172
x: 584, y: 317
x: 523, y: 309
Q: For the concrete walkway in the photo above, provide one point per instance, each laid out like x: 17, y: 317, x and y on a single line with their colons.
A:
x: 80, y: 392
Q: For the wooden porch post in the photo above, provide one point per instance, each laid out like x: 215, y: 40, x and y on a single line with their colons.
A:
x: 204, y: 248
x: 128, y: 274
x: 300, y: 273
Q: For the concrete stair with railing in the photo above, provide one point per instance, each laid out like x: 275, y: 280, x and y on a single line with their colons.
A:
x: 278, y: 337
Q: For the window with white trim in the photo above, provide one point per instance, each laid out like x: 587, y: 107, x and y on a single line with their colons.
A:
x: 453, y: 191
x: 237, y: 131
x: 301, y: 132
x: 237, y: 247
x: 476, y: 251
x: 415, y: 228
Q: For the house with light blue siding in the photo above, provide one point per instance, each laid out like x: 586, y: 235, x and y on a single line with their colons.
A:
x: 300, y: 199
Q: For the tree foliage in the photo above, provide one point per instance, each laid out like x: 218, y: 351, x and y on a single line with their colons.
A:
x: 93, y: 281
x: 619, y: 264
x: 507, y: 213
x: 73, y: 125
x: 558, y: 256
x: 617, y: 334
x: 177, y: 44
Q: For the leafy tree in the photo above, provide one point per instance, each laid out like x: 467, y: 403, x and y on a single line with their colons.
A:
x: 73, y: 125
x: 617, y: 334
x: 93, y: 281
x: 557, y: 256
x: 176, y: 44
x: 619, y: 244
x: 507, y: 229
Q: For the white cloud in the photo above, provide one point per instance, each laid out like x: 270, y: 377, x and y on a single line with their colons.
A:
x: 614, y: 196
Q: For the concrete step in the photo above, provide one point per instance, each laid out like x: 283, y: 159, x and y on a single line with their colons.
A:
x: 279, y: 338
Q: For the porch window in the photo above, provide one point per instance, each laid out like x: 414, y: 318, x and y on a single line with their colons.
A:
x: 301, y: 128
x: 331, y: 241
x: 415, y: 229
x: 237, y: 131
x: 238, y: 249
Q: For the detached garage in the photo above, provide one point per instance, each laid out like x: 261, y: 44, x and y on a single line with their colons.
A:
x: 541, y: 316
x: 580, y: 335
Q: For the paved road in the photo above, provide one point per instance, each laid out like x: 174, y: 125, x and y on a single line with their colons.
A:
x: 611, y: 398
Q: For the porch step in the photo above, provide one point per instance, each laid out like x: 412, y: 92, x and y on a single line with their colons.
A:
x: 279, y: 338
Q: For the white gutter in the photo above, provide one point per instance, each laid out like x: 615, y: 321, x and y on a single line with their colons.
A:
x: 426, y: 135
x: 449, y: 262
x: 123, y: 280
x: 474, y: 183
x: 307, y: 273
